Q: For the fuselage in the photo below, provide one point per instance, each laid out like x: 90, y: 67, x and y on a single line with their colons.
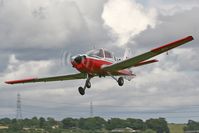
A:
x: 93, y: 61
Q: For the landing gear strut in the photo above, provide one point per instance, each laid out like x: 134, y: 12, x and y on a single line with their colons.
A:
x: 120, y: 80
x: 87, y: 85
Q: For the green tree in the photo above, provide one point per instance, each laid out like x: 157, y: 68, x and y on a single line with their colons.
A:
x: 91, y: 123
x: 34, y: 122
x: 136, y: 124
x: 42, y: 122
x: 116, y: 123
x: 27, y: 123
x: 192, y: 125
x: 158, y: 125
x: 69, y: 123
x: 16, y: 125
x: 51, y: 121
x: 5, y: 121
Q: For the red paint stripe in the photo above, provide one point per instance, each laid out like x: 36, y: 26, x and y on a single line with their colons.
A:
x: 124, y: 72
x: 173, y: 44
x: 146, y: 62
x: 20, y: 81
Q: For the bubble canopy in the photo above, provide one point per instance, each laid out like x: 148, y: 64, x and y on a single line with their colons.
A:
x: 100, y: 53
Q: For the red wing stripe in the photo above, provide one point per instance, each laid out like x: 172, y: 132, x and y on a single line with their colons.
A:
x: 20, y: 81
x: 173, y: 44
x: 146, y: 62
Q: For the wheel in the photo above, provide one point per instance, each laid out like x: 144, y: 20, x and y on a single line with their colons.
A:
x: 120, y: 81
x: 88, y: 84
x: 81, y: 90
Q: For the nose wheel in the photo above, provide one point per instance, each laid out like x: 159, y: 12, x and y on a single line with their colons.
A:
x: 87, y: 85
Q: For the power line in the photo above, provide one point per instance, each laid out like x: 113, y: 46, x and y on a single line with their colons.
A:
x: 179, y: 111
x: 107, y: 105
x: 120, y: 111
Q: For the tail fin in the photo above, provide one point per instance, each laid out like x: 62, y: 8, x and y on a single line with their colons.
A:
x: 127, y: 53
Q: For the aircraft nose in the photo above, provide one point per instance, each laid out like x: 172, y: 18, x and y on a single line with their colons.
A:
x: 79, y: 59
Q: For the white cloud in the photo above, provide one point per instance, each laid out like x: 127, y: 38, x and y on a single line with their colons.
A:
x: 19, y: 69
x: 171, y: 7
x: 126, y: 18
x: 41, y: 24
x: 186, y: 59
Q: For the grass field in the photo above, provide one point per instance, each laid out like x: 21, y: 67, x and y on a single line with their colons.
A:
x: 176, y: 128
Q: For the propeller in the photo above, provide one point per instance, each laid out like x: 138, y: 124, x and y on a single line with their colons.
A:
x: 66, y: 58
x: 79, y: 59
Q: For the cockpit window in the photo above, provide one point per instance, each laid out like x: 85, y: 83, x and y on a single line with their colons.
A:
x: 108, y: 54
x: 96, y: 53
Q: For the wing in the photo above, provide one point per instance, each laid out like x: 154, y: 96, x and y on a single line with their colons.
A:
x: 145, y: 63
x: 135, y: 61
x: 49, y: 79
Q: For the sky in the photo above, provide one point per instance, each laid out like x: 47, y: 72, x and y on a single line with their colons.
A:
x: 36, y: 35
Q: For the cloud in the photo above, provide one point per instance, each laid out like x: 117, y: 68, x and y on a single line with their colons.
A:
x: 32, y: 35
x: 40, y: 24
x: 170, y: 7
x: 170, y: 28
x: 48, y: 24
x: 127, y: 19
x: 175, y: 76
x: 17, y: 68
x: 44, y: 30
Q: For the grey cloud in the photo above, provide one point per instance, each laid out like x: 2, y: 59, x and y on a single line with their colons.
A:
x: 18, y: 31
x: 170, y: 28
x: 60, y: 25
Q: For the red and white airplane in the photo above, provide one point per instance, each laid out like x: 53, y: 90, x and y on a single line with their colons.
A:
x: 101, y: 63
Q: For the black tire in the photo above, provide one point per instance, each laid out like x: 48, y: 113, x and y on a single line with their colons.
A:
x: 88, y: 84
x: 81, y: 90
x: 120, y: 81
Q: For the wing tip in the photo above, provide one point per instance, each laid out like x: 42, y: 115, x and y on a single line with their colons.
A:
x: 189, y: 38
x: 19, y: 81
x: 174, y: 43
x: 8, y: 82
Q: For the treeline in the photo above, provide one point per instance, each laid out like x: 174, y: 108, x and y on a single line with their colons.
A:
x: 192, y: 125
x: 158, y: 125
x: 90, y: 124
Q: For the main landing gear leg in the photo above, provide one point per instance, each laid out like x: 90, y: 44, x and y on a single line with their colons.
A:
x: 120, y: 80
x: 87, y: 85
